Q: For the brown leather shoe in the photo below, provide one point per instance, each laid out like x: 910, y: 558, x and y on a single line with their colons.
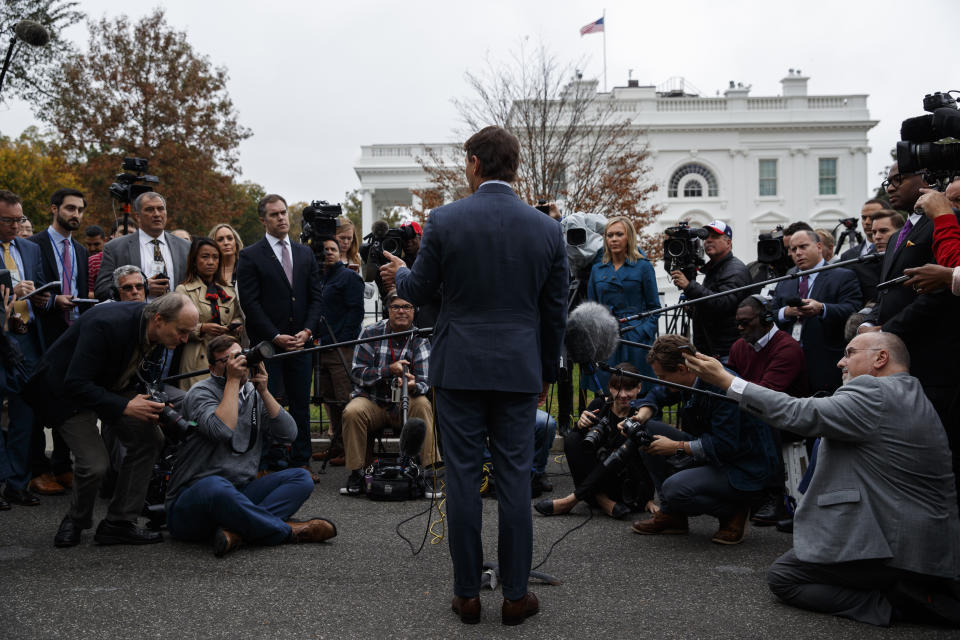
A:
x: 467, y: 608
x: 46, y: 485
x: 661, y: 522
x: 65, y: 479
x: 225, y: 541
x: 313, y: 476
x: 733, y: 528
x: 516, y: 611
x: 315, y: 530
x: 338, y: 461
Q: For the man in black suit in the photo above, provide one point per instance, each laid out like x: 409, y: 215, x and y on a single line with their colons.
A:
x: 92, y: 372
x: 926, y: 322
x: 278, y: 284
x: 63, y: 259
x: 161, y: 255
x: 22, y: 259
x: 495, y: 347
x: 827, y: 300
x: 868, y: 273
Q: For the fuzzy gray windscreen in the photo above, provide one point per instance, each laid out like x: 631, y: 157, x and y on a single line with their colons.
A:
x: 592, y: 333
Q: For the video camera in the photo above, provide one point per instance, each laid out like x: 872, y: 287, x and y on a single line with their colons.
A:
x: 383, y: 238
x: 683, y: 249
x: 921, y: 146
x: 319, y: 221
x: 133, y: 181
x: 770, y: 251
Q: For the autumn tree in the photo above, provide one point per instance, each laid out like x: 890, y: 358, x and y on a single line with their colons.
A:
x: 33, y: 69
x: 29, y: 168
x: 141, y: 90
x: 574, y: 146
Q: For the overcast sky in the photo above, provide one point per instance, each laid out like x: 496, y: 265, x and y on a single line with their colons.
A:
x: 316, y: 80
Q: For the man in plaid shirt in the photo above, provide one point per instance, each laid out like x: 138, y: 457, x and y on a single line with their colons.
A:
x: 377, y: 366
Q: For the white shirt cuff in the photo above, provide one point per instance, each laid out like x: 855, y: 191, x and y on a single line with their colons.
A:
x: 736, y: 388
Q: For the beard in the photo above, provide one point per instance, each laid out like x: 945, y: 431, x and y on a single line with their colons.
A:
x: 73, y: 224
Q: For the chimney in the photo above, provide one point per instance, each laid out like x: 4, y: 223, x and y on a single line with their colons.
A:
x: 794, y: 84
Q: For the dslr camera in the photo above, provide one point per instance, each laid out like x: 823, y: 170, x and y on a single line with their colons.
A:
x: 319, y: 221
x: 175, y: 427
x: 637, y: 438
x: 920, y: 147
x: 133, y: 181
x: 683, y: 250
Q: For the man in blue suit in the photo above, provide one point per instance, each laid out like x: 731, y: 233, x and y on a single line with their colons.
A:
x: 278, y: 284
x: 496, y: 347
x: 22, y: 258
x: 827, y: 300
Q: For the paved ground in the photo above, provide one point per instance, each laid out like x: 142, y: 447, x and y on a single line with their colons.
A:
x: 366, y: 583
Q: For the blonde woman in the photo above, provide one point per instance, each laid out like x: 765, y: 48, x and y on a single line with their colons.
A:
x: 349, y: 240
x: 624, y: 282
x: 229, y: 243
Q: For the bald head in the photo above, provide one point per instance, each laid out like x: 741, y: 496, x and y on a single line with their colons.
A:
x: 876, y: 354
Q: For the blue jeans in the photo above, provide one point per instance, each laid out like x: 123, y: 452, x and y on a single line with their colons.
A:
x: 256, y: 512
x: 544, y: 431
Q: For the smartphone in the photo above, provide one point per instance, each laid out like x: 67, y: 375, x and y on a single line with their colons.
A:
x: 795, y: 302
x: 234, y: 326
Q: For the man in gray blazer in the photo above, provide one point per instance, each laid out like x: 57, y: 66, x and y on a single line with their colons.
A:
x: 876, y: 536
x: 155, y: 251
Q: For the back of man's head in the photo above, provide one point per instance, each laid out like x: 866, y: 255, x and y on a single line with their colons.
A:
x: 667, y: 351
x: 167, y: 306
x: 498, y: 151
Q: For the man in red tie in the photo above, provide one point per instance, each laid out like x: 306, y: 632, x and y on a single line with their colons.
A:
x: 814, y: 309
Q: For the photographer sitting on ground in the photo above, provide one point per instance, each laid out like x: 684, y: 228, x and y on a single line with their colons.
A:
x: 213, y: 491
x: 617, y: 490
x: 727, y: 456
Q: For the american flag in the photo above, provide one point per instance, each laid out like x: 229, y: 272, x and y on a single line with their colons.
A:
x: 593, y: 27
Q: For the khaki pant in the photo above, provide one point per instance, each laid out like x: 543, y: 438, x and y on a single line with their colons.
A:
x: 363, y: 416
x: 335, y: 387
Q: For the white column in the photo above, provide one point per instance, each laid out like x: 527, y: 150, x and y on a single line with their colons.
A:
x: 367, y: 211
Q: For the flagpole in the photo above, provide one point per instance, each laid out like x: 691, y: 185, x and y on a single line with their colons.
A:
x: 604, y: 50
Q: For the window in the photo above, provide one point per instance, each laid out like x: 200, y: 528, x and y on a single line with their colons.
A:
x: 768, y: 178
x: 694, y: 187
x: 828, y: 176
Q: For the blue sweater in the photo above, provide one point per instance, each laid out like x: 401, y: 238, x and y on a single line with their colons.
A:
x: 342, y: 298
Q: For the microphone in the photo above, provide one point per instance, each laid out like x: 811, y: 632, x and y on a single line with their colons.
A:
x: 412, y: 435
x: 32, y: 33
x: 918, y: 129
x: 592, y: 333
x: 379, y: 228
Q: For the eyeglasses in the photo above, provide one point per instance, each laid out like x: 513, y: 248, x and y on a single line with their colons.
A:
x: 12, y: 220
x: 401, y: 307
x: 132, y: 287
x: 897, y: 179
x: 849, y: 351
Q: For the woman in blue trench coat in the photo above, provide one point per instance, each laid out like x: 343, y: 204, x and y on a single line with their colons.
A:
x: 624, y: 282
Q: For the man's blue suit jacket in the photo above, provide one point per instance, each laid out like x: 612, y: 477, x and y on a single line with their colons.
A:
x: 33, y: 271
x: 270, y: 304
x: 503, y: 268
x: 822, y: 337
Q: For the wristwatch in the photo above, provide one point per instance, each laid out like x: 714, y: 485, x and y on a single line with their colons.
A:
x: 681, y: 450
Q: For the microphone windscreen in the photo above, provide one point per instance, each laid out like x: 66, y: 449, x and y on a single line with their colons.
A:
x: 592, y: 333
x: 412, y: 435
x: 379, y: 229
x: 32, y: 33
x: 918, y: 129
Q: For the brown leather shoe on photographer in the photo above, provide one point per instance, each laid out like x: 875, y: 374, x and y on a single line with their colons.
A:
x: 467, y: 608
x: 315, y: 530
x: 65, y: 479
x: 225, y: 541
x: 661, y: 522
x: 46, y: 485
x: 732, y: 528
x: 516, y: 611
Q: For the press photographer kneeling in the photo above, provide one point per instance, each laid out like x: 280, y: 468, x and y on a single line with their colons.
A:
x: 730, y: 454
x: 213, y: 492
x: 619, y: 487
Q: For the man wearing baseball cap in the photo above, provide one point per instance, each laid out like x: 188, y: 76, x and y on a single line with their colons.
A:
x: 714, y: 321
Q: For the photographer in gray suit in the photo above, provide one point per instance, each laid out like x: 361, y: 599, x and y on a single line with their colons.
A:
x: 876, y: 536
x: 160, y: 255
